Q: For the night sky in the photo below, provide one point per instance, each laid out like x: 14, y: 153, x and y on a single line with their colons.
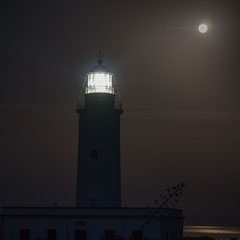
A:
x: 180, y: 91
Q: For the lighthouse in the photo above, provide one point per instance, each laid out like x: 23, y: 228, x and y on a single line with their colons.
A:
x: 99, y: 172
x: 98, y: 213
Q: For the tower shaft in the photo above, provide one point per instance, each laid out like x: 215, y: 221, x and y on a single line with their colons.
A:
x: 99, y: 180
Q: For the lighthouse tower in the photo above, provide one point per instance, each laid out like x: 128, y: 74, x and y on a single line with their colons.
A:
x: 98, y: 214
x: 99, y: 175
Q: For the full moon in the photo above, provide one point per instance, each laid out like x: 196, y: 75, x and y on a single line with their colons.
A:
x: 202, y: 28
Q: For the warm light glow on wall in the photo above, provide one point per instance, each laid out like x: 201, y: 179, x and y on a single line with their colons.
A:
x: 99, y: 82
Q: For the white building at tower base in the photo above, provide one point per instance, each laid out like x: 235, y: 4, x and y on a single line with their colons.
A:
x: 35, y: 223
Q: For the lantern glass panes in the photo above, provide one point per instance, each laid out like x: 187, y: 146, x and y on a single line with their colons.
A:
x: 99, y: 82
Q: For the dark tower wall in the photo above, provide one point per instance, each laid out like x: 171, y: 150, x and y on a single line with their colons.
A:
x: 99, y: 174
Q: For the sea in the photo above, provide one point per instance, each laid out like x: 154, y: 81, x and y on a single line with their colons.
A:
x: 217, y: 232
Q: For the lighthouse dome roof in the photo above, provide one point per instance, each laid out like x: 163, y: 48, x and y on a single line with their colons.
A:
x: 99, y: 67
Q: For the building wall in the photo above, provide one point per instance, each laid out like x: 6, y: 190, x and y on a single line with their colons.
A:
x: 95, y: 224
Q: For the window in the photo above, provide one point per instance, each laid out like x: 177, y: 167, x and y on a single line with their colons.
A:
x: 167, y: 235
x: 80, y: 235
x: 135, y: 234
x: 93, y: 202
x: 94, y: 153
x: 25, y: 234
x: 51, y: 234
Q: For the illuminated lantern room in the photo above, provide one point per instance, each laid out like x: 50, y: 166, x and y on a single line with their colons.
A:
x: 99, y: 79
